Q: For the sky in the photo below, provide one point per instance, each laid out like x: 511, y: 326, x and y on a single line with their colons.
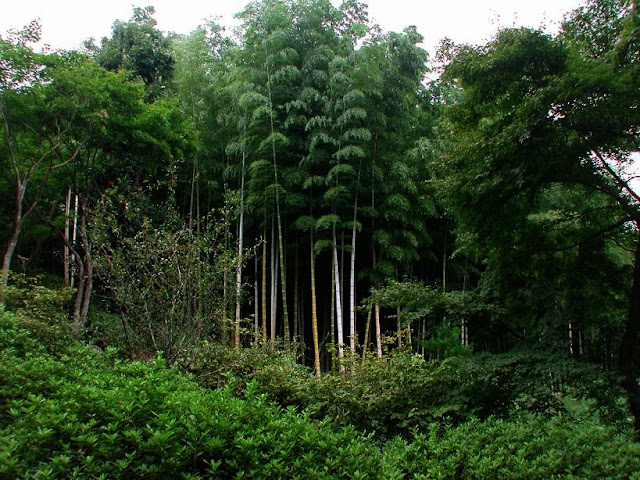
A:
x: 67, y: 23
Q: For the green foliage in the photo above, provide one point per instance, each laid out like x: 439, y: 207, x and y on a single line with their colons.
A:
x: 140, y: 49
x: 88, y: 415
x: 84, y: 414
x: 275, y: 370
x: 44, y: 310
x: 168, y: 297
x: 526, y: 446
x: 402, y: 392
x: 33, y: 296
x: 446, y: 343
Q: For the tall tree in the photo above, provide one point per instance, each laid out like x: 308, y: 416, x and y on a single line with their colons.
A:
x: 140, y: 49
x: 536, y: 112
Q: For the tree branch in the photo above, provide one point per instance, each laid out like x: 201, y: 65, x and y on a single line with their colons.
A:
x: 622, y: 183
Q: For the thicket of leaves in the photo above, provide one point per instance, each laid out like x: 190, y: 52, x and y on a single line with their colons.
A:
x: 74, y: 412
x: 403, y: 393
x: 86, y: 415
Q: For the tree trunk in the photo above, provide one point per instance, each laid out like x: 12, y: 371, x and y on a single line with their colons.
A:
x: 18, y: 221
x: 256, y: 307
x: 87, y: 280
x: 332, y: 315
x: 365, y: 348
x: 6, y: 262
x: 352, y: 287
x: 283, y: 278
x: 296, y: 303
x: 628, y: 347
x: 314, y: 312
x: 264, y: 284
x: 77, y: 307
x: 377, y: 312
x: 352, y: 276
x: 67, y: 259
x: 274, y: 291
x: 339, y: 320
x: 74, y: 236
x: 236, y: 337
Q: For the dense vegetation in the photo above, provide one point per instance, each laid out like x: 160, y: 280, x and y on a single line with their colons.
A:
x: 71, y: 412
x: 285, y: 253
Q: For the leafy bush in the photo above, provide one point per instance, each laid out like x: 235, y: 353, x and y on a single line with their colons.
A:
x: 274, y: 369
x: 42, y: 309
x: 402, y: 392
x: 527, y: 446
x: 167, y: 296
x: 85, y: 415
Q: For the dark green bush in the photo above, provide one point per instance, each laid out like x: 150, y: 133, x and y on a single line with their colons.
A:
x: 274, y: 369
x: 402, y: 392
x: 526, y: 446
x: 85, y: 415
x: 42, y: 308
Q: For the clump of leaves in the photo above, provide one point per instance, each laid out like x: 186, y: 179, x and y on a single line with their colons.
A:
x: 43, y: 309
x: 85, y: 415
x: 165, y: 282
x: 526, y: 446
x: 273, y: 367
x: 402, y: 392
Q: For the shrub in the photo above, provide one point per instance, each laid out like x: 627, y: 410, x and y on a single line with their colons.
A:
x: 274, y: 369
x: 43, y: 310
x: 84, y: 415
x: 401, y: 393
x: 527, y: 446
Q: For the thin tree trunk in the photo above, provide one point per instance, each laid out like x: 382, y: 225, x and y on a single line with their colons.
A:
x: 570, y: 338
x: 88, y: 274
x: 377, y: 313
x: 264, y: 283
x: 352, y: 286
x: 365, y: 349
x: 283, y: 279
x: 67, y: 259
x: 314, y: 311
x: 74, y: 237
x: 256, y: 305
x: 296, y: 300
x: 339, y: 319
x: 8, y: 255
x: 378, y: 333
x: 352, y: 276
x: 192, y: 198
x: 236, y: 338
x: 274, y: 282
x: 77, y: 307
x: 332, y: 319
x: 628, y: 347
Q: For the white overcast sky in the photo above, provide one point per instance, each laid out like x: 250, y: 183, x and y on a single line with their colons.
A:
x: 66, y: 23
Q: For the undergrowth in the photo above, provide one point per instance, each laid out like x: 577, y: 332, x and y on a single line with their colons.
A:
x: 69, y: 411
